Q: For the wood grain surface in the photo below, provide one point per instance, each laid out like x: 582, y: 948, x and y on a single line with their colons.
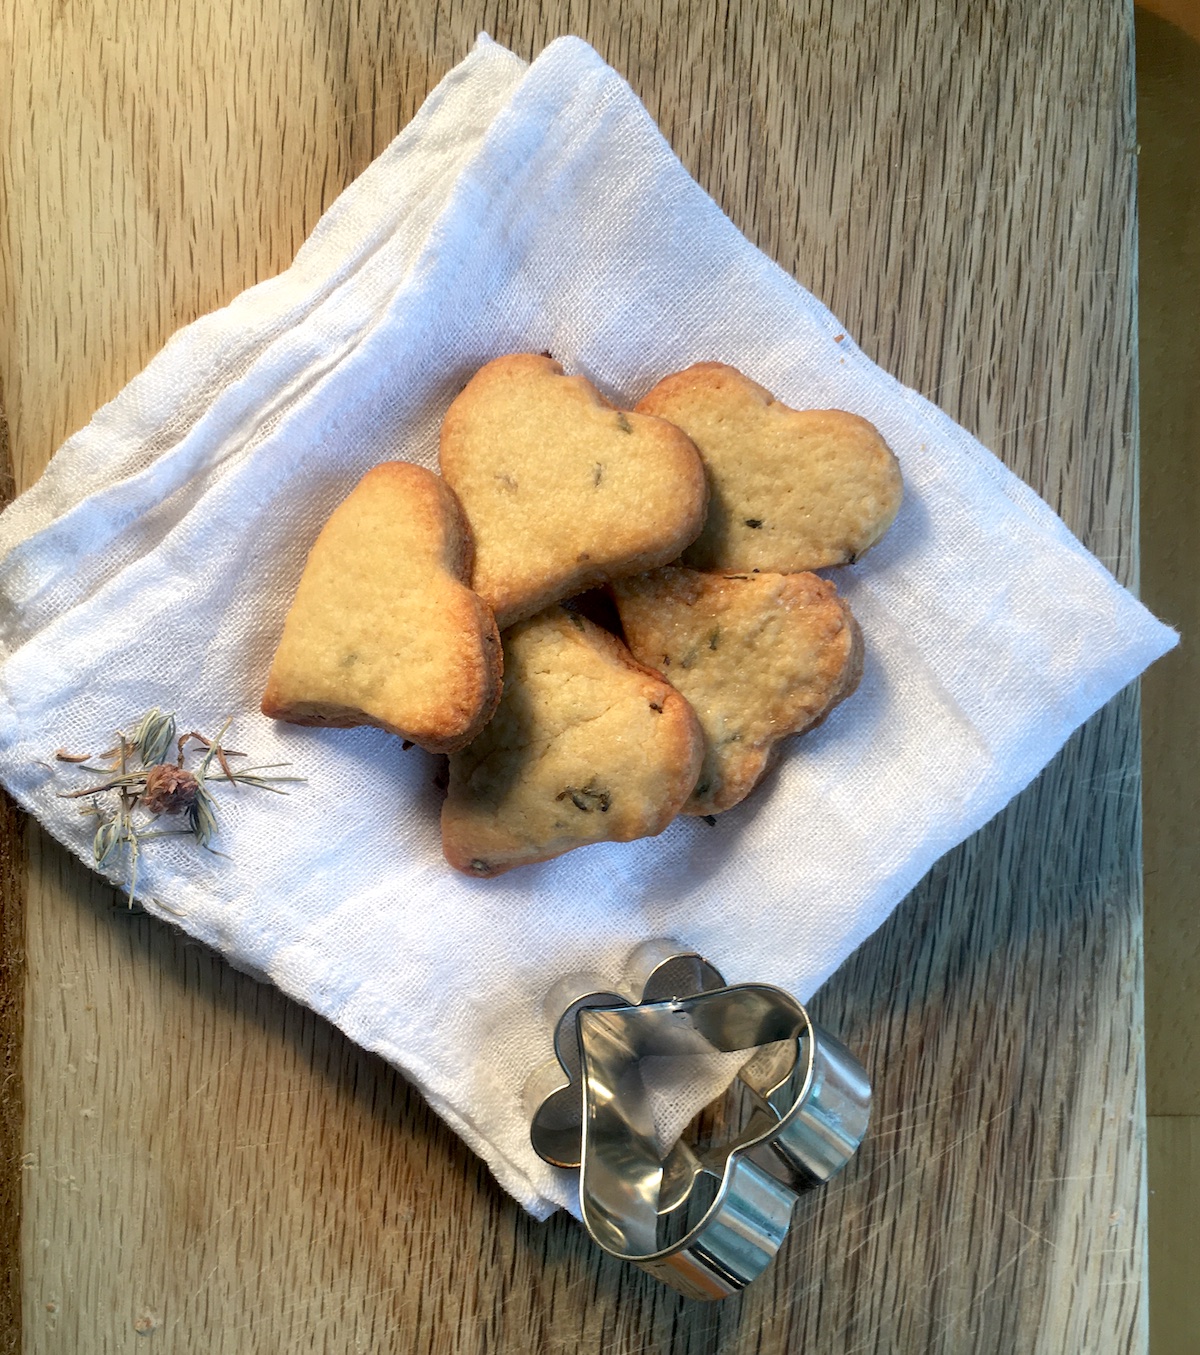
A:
x: 213, y: 1169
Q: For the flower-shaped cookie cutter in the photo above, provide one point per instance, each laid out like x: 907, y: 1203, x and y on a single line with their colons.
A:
x: 805, y: 1107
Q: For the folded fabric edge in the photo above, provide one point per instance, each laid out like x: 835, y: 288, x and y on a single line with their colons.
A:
x: 51, y: 495
x: 569, y: 47
x: 23, y: 577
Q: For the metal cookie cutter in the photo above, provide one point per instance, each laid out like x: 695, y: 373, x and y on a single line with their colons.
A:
x: 705, y: 1219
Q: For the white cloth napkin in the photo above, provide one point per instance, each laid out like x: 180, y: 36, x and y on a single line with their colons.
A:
x: 524, y: 208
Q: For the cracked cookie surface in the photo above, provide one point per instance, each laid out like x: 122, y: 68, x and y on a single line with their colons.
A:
x: 586, y: 746
x: 789, y: 490
x: 758, y: 656
x: 383, y: 629
x: 562, y: 490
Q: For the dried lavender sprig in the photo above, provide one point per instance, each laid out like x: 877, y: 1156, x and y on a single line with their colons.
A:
x: 161, y: 787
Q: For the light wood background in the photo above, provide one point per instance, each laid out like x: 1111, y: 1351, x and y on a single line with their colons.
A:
x: 206, y: 1167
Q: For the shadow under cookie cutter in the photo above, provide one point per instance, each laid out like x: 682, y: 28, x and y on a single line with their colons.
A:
x: 809, y: 1101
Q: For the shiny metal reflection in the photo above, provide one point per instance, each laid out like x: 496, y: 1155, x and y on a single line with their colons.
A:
x: 705, y: 1220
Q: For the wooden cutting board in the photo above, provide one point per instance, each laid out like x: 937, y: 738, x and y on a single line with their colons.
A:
x: 200, y: 1163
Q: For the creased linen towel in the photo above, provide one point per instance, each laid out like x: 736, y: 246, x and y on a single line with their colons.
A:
x: 524, y: 208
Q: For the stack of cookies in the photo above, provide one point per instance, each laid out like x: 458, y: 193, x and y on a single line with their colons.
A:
x: 433, y: 606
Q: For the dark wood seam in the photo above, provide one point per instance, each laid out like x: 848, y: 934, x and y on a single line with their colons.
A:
x: 12, y: 1018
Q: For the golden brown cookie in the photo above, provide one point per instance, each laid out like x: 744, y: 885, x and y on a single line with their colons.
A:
x: 789, y: 490
x: 383, y: 629
x: 586, y: 746
x: 758, y: 656
x: 562, y: 490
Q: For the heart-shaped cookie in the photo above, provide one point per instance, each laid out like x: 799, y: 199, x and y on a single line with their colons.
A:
x: 790, y: 490
x: 562, y: 490
x: 383, y: 629
x: 758, y: 656
x: 585, y: 746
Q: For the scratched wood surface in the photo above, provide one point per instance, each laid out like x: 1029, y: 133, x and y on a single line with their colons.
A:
x: 213, y: 1169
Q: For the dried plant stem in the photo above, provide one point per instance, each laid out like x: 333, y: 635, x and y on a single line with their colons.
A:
x: 155, y: 787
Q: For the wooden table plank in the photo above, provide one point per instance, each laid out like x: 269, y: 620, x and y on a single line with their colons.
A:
x: 216, y: 1167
